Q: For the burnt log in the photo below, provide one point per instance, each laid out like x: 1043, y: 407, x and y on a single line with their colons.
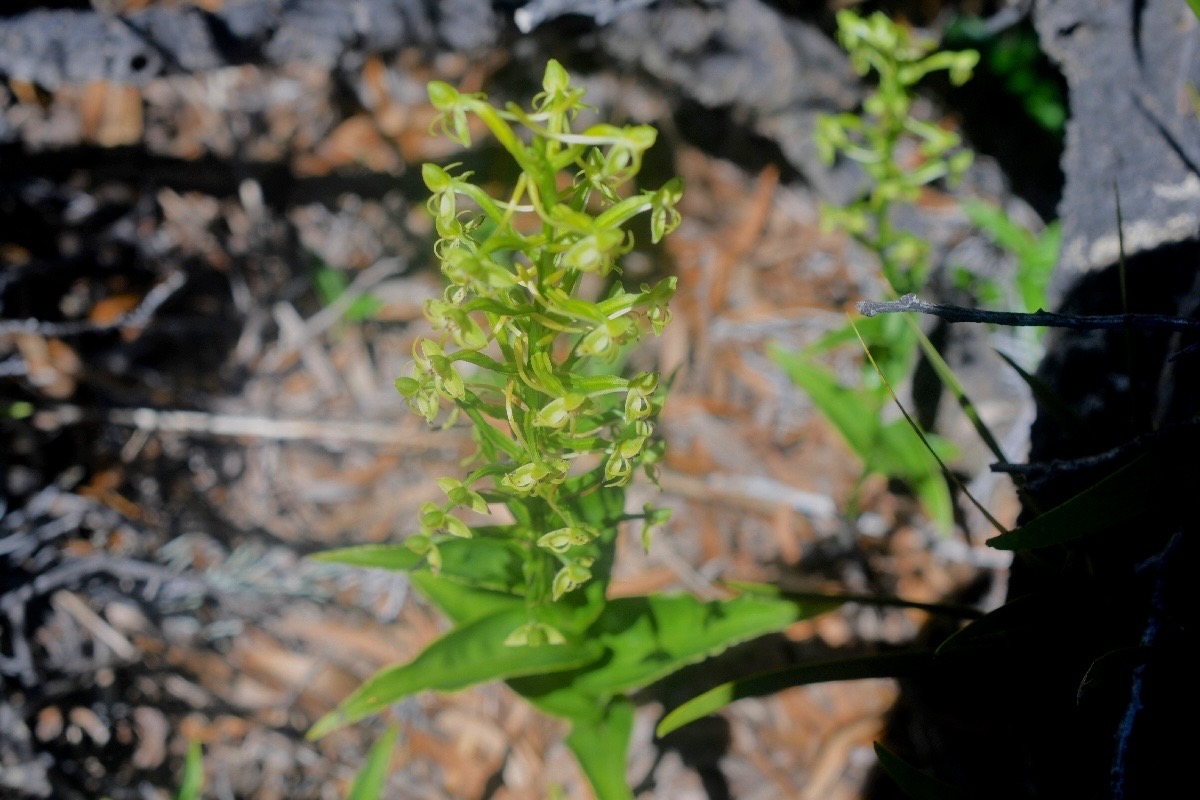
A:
x: 52, y: 47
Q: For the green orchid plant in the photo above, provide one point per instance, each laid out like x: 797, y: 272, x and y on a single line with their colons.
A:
x: 529, y: 361
x: 877, y: 139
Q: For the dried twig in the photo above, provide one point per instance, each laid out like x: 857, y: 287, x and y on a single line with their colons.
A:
x: 1039, y: 471
x: 13, y: 367
x: 324, y: 319
x: 537, y: 12
x: 750, y: 491
x: 256, y: 427
x: 70, y: 603
x: 1038, y: 319
x: 137, y: 318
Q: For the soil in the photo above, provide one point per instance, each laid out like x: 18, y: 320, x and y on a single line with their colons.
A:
x: 185, y: 418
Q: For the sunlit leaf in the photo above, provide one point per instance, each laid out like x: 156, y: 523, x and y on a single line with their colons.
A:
x: 853, y: 412
x: 461, y: 602
x: 647, y: 638
x: 951, y: 382
x: 601, y: 746
x: 368, y: 784
x: 193, y: 773
x: 487, y: 563
x: 469, y: 654
x: 927, y: 441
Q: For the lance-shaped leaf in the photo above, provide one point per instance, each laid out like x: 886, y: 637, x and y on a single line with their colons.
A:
x: 1122, y: 497
x: 467, y: 655
x: 192, y: 782
x: 487, y: 563
x: 888, y: 665
x: 647, y: 638
x: 368, y: 784
x: 601, y: 746
x: 461, y: 602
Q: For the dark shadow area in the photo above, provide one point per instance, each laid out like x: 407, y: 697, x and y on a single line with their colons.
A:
x: 702, y: 744
x: 1074, y: 688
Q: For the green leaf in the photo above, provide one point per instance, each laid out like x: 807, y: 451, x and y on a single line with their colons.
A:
x: 466, y: 655
x: 601, y: 746
x: 900, y: 454
x: 935, y: 498
x: 394, y: 557
x: 461, y: 602
x: 647, y: 638
x: 880, y: 600
x: 888, y: 449
x: 888, y: 665
x: 998, y: 226
x: 1118, y: 499
x: 872, y: 329
x: 332, y: 284
x: 486, y: 563
x: 853, y: 412
x: 951, y: 382
x: 1194, y: 5
x: 1036, y: 255
x: 915, y: 783
x: 193, y: 773
x: 368, y: 784
x: 599, y: 509
x: 480, y: 360
x: 928, y: 443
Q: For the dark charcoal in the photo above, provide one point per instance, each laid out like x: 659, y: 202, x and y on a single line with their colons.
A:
x: 1127, y: 65
x: 50, y: 48
x: 774, y: 73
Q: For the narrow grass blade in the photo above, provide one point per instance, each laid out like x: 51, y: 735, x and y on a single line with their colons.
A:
x: 193, y: 774
x: 368, y: 784
x: 913, y: 782
x: 888, y: 665
x: 924, y: 440
x: 951, y: 381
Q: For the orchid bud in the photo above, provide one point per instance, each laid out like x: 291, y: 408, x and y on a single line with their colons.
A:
x: 563, y: 539
x: 460, y: 495
x: 617, y: 470
x: 572, y: 576
x: 534, y: 634
x: 664, y: 217
x: 524, y: 479
x: 559, y: 411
